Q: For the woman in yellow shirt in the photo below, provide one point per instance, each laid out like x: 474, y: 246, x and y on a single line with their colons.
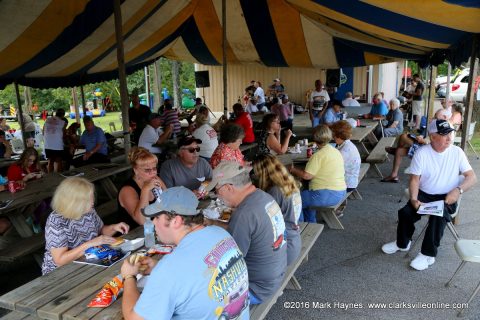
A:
x: 326, y: 174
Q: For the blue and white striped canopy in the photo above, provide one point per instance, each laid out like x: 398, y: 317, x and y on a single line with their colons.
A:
x: 51, y: 43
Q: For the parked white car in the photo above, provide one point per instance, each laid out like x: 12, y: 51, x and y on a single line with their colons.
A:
x: 458, y: 86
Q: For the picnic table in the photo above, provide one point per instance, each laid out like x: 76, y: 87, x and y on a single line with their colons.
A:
x: 25, y: 201
x: 65, y: 292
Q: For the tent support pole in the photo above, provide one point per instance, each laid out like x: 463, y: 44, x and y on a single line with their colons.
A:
x: 447, y: 94
x: 75, y: 104
x: 431, y: 93
x: 224, y: 56
x: 20, y: 115
x: 84, y: 105
x: 122, y: 76
x: 467, y: 118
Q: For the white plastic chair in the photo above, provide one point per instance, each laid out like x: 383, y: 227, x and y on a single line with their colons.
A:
x: 471, y: 131
x: 468, y: 251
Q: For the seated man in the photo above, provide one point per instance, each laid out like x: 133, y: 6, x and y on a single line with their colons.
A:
x: 188, y: 169
x: 152, y: 135
x: 434, y: 177
x: 392, y: 126
x: 257, y: 226
x: 282, y: 111
x: 205, y: 276
x: 379, y: 108
x: 349, y: 101
x: 5, y: 147
x: 332, y: 115
x: 95, y: 143
x: 170, y: 116
x: 276, y: 89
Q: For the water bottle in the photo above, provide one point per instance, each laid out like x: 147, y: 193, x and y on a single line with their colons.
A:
x: 174, y: 138
x: 149, y: 232
x: 156, y: 193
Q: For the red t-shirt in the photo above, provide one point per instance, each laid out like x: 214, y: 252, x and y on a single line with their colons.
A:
x: 245, y: 121
x: 16, y: 173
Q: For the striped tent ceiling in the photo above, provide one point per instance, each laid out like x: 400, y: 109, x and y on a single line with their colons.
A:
x: 51, y: 43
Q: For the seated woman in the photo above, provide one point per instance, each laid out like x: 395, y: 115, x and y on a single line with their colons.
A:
x: 207, y: 134
x: 26, y: 168
x: 274, y: 179
x: 269, y: 139
x: 326, y: 173
x: 74, y: 225
x: 393, y: 123
x: 342, y: 132
x: 231, y: 136
x: 137, y: 193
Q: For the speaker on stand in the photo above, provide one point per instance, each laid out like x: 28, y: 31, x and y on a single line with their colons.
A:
x: 202, y: 80
x: 333, y: 78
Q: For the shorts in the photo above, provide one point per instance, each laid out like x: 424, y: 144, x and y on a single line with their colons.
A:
x: 54, y: 154
x: 417, y: 108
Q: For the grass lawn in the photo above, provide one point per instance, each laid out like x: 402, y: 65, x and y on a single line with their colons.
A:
x: 102, y: 122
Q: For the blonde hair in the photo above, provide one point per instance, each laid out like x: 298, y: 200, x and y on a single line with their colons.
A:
x: 73, y: 197
x: 322, y: 135
x: 201, y: 119
x: 271, y: 172
x: 139, y: 155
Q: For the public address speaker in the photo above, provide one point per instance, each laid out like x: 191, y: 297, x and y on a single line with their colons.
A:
x: 333, y: 78
x: 201, y: 79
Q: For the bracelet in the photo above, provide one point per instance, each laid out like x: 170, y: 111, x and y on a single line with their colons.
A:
x: 129, y: 276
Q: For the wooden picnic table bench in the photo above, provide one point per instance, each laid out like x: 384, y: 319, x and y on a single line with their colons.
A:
x: 379, y: 154
x: 328, y: 214
x: 309, y: 234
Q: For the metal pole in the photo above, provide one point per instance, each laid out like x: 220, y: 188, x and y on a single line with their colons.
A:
x: 75, y: 104
x: 147, y: 85
x: 122, y: 76
x: 447, y: 94
x: 20, y: 115
x: 467, y: 115
x: 224, y: 55
x: 431, y: 93
x: 84, y: 105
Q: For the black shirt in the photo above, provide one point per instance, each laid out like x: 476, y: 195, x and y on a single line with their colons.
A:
x: 420, y: 86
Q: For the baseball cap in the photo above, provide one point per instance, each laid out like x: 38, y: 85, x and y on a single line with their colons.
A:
x: 442, y: 127
x: 154, y: 115
x: 276, y: 80
x: 179, y: 200
x: 188, y: 140
x: 224, y: 172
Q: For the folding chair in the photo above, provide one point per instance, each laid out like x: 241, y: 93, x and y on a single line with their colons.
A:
x: 471, y: 131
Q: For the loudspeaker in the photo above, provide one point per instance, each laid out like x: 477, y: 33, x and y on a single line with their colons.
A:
x: 333, y: 78
x: 201, y: 79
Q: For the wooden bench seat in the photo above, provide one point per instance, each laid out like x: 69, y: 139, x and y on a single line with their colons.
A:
x: 21, y: 247
x: 18, y: 315
x: 309, y: 233
x: 328, y: 215
x: 379, y: 155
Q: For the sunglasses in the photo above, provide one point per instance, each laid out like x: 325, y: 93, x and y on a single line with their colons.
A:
x: 192, y: 149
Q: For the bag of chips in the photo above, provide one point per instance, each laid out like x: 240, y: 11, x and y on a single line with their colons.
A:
x: 109, y: 293
x: 101, y: 252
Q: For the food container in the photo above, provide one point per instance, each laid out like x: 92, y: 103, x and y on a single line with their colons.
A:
x: 11, y: 186
x: 130, y: 245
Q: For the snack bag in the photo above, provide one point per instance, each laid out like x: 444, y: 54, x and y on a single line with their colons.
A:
x: 109, y: 293
x: 101, y: 252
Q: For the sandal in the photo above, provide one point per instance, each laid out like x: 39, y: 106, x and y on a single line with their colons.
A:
x: 390, y: 179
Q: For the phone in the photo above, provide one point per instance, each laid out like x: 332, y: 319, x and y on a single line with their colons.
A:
x: 412, y: 136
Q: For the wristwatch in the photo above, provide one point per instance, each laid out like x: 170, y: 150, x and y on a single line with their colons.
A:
x: 460, y: 190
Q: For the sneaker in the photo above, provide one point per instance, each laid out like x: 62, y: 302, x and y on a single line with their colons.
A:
x: 392, y: 247
x: 422, y: 262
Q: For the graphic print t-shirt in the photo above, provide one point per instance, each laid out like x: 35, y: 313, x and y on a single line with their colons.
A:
x: 205, y: 277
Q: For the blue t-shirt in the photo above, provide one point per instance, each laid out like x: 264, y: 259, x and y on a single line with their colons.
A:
x: 380, y: 108
x: 330, y: 116
x: 203, y: 278
x: 90, y: 140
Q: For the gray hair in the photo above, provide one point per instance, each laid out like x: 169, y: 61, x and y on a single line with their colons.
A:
x: 240, y: 180
x: 395, y: 102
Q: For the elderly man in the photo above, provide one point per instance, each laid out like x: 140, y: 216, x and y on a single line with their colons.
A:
x: 276, y: 89
x: 205, y: 276
x: 317, y: 103
x: 257, y: 226
x: 188, y: 169
x: 138, y: 115
x: 349, y: 101
x: 152, y: 135
x: 379, y: 109
x: 95, y: 143
x: 392, y: 126
x: 434, y: 177
x: 333, y: 114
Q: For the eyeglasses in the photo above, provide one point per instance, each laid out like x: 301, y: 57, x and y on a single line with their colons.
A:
x: 149, y: 170
x: 192, y: 149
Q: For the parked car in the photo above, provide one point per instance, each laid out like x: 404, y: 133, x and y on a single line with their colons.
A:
x: 458, y: 87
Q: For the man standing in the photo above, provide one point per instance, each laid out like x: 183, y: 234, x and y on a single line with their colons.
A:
x: 205, y: 277
x: 54, y: 130
x: 317, y: 103
x: 95, y: 143
x: 188, y: 169
x: 138, y: 115
x: 244, y: 120
x: 152, y: 135
x: 434, y: 177
x: 257, y: 226
x: 417, y: 100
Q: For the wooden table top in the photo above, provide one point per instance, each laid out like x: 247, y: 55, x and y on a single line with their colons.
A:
x: 43, y: 188
x: 65, y: 292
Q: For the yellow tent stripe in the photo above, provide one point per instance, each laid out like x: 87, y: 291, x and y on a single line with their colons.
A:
x: 158, y: 35
x: 58, y: 15
x: 289, y: 32
x: 127, y: 26
x: 435, y: 11
x: 373, y: 58
x: 366, y: 27
x: 211, y: 31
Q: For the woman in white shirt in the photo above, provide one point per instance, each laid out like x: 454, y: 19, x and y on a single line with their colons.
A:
x: 259, y: 95
x: 207, y: 134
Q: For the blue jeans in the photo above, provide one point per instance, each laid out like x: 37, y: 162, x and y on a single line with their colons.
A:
x: 316, y: 118
x: 318, y: 198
